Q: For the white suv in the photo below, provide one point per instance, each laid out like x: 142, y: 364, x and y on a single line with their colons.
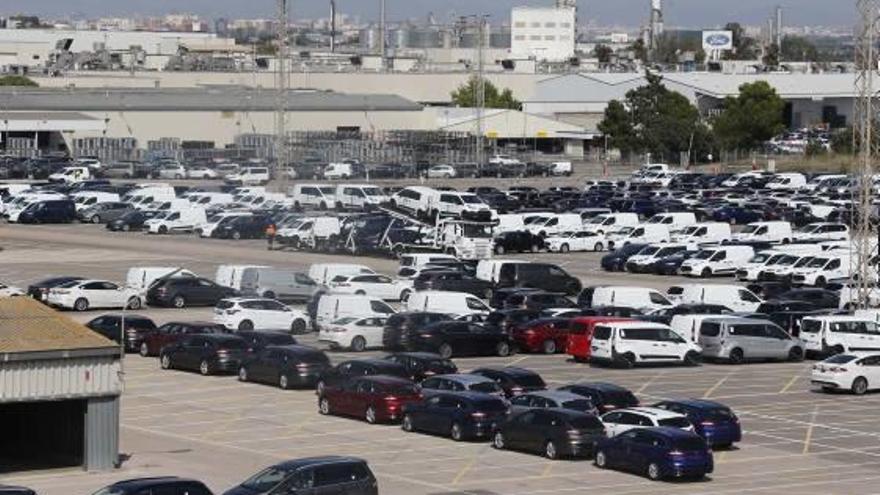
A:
x: 628, y: 343
x: 243, y: 313
x: 357, y: 334
x: 623, y: 420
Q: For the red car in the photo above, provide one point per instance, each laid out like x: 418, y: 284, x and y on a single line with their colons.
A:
x: 376, y: 398
x: 547, y: 335
x: 581, y: 335
x: 171, y: 333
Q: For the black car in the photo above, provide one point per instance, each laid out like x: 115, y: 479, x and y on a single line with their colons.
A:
x: 16, y: 490
x: 359, y: 367
x: 669, y: 265
x: 286, y: 366
x: 49, y: 211
x: 820, y: 298
x: 460, y: 415
x: 500, y: 202
x: 205, y: 353
x: 454, y: 281
x: 400, y: 326
x: 781, y: 306
x: 131, y: 221
x: 519, y: 241
x: 506, y: 320
x: 605, y: 396
x: 312, y: 476
x: 499, y: 296
x: 615, y: 261
x: 539, y: 301
x: 514, y: 381
x: 104, y: 212
x: 112, y: 326
x: 242, y: 227
x: 421, y: 365
x: 543, y: 276
x: 553, y: 433
x: 458, y: 338
x: 40, y: 290
x: 257, y: 341
x: 769, y: 289
x: 166, y: 485
x: 180, y: 292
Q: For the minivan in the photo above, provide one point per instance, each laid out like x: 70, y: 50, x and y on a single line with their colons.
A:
x: 543, y: 276
x: 333, y: 307
x: 249, y: 176
x: 313, y: 195
x: 557, y: 223
x: 640, y: 234
x: 454, y: 303
x: 737, y: 340
x: 51, y: 211
x: 359, y: 196
x: 413, y: 199
x: 231, y: 275
x: 314, y: 475
x: 611, y: 222
x: 280, y: 284
x: 838, y: 334
x: 773, y: 232
x: 688, y: 325
x: 627, y: 343
x: 704, y: 233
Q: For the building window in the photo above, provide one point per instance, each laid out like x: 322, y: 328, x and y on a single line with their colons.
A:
x: 566, y: 25
x: 520, y: 24
x: 535, y: 37
x: 550, y: 25
x: 520, y: 37
x: 564, y: 37
x: 536, y: 24
x: 550, y: 37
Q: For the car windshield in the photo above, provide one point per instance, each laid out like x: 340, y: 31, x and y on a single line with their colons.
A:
x: 488, y: 387
x: 786, y: 260
x: 266, y: 480
x: 750, y: 229
x: 761, y: 257
x: 579, y: 405
x: 471, y: 199
x: 667, y: 251
x: 840, y: 359
x: 704, y: 255
x: 648, y: 251
x: 327, y: 190
x: 674, y: 422
x: 817, y: 263
x: 372, y: 191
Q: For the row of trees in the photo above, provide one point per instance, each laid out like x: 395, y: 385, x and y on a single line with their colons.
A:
x: 653, y: 119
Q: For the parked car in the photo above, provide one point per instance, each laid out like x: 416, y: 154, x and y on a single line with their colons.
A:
x: 399, y: 327
x: 539, y: 301
x: 244, y: 313
x: 737, y: 340
x: 206, y: 353
x: 257, y: 341
x: 520, y: 241
x: 856, y: 373
x: 356, y: 334
x: 180, y: 292
x: 422, y: 365
x: 576, y: 241
x: 545, y: 335
x: 81, y: 295
x: 104, y: 212
x: 328, y: 474
x: 580, y: 335
x: 358, y: 367
x: 441, y: 172
x: 554, y: 399
x: 514, y: 381
x: 715, y: 422
x: 462, y: 382
x: 131, y: 220
x: 628, y: 343
x: 15, y: 490
x: 605, y: 396
x: 553, y: 433
x: 166, y: 485
x: 826, y: 335
x: 658, y: 453
x: 286, y: 366
x: 539, y: 276
x: 623, y: 420
x: 453, y: 281
x: 616, y: 260
x: 130, y: 327
x: 456, y: 338
x: 377, y: 398
x: 172, y: 332
x: 40, y: 290
x: 242, y: 227
x: 373, y: 285
x: 460, y: 415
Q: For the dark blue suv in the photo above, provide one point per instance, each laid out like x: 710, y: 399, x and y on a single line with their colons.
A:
x: 715, y: 422
x: 658, y: 453
x: 461, y: 415
x: 170, y: 485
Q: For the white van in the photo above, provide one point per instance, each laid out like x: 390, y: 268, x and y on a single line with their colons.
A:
x: 823, y: 268
x: 313, y: 195
x: 674, y: 221
x: 777, y: 232
x: 411, y: 264
x: 786, y: 182
x: 86, y: 199
x: 185, y: 220
x: 142, y: 277
x: 230, y: 275
x: 453, y: 203
x: 688, y: 326
x: 249, y: 176
x: 510, y: 222
x: 324, y: 273
x: 734, y: 297
x: 720, y: 260
x: 71, y: 175
x: 640, y: 234
x: 490, y: 269
x: 413, y: 199
x: 358, y: 196
x: 641, y: 298
x: 628, y: 343
x: 339, y: 170
x: 838, y: 334
x: 611, y: 222
x: 207, y: 200
x: 822, y: 232
x: 704, y: 233
x: 333, y: 307
x: 206, y: 229
x: 556, y: 224
x: 453, y: 303
x: 641, y: 262
x: 142, y: 198
x: 821, y: 181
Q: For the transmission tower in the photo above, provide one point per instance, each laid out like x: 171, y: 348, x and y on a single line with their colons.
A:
x: 865, y: 113
x: 282, y: 157
x: 480, y: 90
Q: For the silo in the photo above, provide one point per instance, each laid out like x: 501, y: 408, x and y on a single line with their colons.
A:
x: 369, y: 38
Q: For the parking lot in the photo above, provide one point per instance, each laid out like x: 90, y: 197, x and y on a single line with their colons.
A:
x: 221, y: 431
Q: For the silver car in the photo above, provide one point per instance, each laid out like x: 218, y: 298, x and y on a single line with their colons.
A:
x: 283, y: 285
x: 738, y: 340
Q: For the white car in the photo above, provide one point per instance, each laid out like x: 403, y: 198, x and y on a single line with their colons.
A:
x: 576, y: 241
x: 10, y: 291
x: 245, y: 314
x: 372, y: 285
x: 201, y: 173
x: 623, y: 420
x: 82, y: 295
x: 357, y: 334
x: 172, y: 171
x: 441, y: 172
x: 856, y: 372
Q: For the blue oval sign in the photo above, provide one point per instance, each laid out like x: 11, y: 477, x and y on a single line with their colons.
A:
x: 718, y: 39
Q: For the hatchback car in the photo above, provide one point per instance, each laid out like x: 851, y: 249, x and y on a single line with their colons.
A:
x: 286, y: 366
x: 545, y: 335
x: 359, y: 367
x: 208, y: 354
x: 461, y: 382
x: 356, y: 334
x: 460, y: 339
x: 172, y: 332
x: 553, y: 433
x: 399, y: 327
x: 514, y: 381
x: 81, y: 295
x: 168, y: 485
x: 253, y: 313
x: 605, y: 396
x: 422, y: 365
x: 657, y: 453
x: 329, y: 474
x: 623, y: 420
x: 715, y: 422
x: 180, y: 292
x: 377, y: 398
x: 132, y: 328
x: 460, y: 415
x: 554, y: 399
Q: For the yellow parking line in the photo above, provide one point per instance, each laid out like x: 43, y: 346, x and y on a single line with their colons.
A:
x: 809, y: 437
x: 717, y: 384
x: 547, y: 470
x: 464, y: 470
x: 517, y: 361
x: 789, y: 384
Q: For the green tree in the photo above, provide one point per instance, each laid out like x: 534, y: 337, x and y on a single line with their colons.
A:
x: 466, y: 96
x: 17, y: 81
x: 751, y: 118
x: 618, y: 125
x: 744, y: 47
x: 603, y: 53
x: 640, y: 51
x: 842, y: 141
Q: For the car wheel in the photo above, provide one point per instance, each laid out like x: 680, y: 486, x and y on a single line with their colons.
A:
x: 245, y: 326
x: 144, y: 350
x: 165, y: 362
x: 236, y: 236
x: 692, y: 358
x: 358, y: 344
x: 627, y: 361
x: 283, y: 382
x: 445, y: 351
x: 550, y: 450
x: 324, y: 406
x: 163, y: 229
x: 838, y: 349
x: 126, y: 227
x: 96, y: 219
x: 860, y: 386
x: 706, y: 273
x: 499, y: 249
x: 796, y: 354
x: 549, y: 347
x: 487, y: 294
x: 242, y: 374
x: 178, y: 302
x: 498, y: 440
x: 564, y: 248
x: 407, y: 424
x: 205, y: 368
x: 360, y: 293
x: 134, y: 303
x: 503, y: 349
x: 598, y: 247
x: 820, y: 282
x: 370, y: 415
x: 81, y: 304
x: 601, y: 460
x: 736, y: 356
x: 654, y: 472
x: 456, y: 433
x: 298, y: 327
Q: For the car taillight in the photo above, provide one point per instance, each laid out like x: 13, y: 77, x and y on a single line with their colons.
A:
x: 516, y: 390
x: 676, y: 453
x: 302, y: 366
x: 478, y: 415
x: 837, y: 369
x: 708, y: 423
x: 391, y: 398
x: 61, y: 291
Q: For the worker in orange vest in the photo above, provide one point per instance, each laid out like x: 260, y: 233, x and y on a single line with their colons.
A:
x: 271, y: 230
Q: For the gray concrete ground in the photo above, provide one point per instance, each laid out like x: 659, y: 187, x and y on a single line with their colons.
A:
x: 219, y: 430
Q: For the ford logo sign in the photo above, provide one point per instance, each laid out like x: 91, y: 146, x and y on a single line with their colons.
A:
x: 718, y: 39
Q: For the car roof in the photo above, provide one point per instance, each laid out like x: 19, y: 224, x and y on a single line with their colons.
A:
x: 654, y: 412
x: 560, y: 395
x: 297, y: 349
x: 386, y: 379
x: 194, y: 323
x: 311, y: 461
x: 469, y: 395
x: 466, y: 378
x: 600, y: 386
x: 671, y: 432
x: 373, y: 362
x: 138, y: 483
x: 421, y: 355
x: 697, y: 403
x: 508, y: 370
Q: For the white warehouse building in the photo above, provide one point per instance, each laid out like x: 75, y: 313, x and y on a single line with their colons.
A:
x: 543, y: 33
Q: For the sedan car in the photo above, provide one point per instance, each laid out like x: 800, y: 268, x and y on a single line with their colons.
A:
x: 114, y: 326
x: 357, y: 334
x: 172, y: 332
x: 658, y: 453
x: 456, y: 338
x: 201, y: 172
x: 715, y: 422
x: 358, y: 367
x: 544, y: 335
x: 81, y: 295
x: 521, y: 241
x: 257, y: 341
x: 605, y: 396
x: 180, y: 292
x: 166, y: 485
x: 40, y: 290
x: 857, y: 373
x: 422, y: 365
x: 286, y: 366
x: 441, y: 172
x: 514, y: 381
x: 254, y: 313
x: 554, y: 399
x: 460, y: 415
x: 207, y: 353
x: 131, y: 220
x: 453, y: 281
x: 623, y: 420
x: 576, y: 241
x: 371, y: 284
x: 377, y: 398
x: 554, y: 433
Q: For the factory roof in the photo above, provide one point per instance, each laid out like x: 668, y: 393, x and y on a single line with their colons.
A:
x: 196, y: 99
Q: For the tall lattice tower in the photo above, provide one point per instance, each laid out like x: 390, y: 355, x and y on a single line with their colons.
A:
x: 282, y: 82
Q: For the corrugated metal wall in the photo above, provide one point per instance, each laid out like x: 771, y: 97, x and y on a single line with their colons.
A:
x: 102, y: 433
x: 59, y: 379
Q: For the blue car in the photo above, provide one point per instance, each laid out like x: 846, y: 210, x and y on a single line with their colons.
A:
x: 715, y: 422
x: 460, y: 415
x: 736, y: 215
x: 658, y: 453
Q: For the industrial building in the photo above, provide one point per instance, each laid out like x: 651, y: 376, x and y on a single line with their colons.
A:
x: 60, y: 385
x: 543, y: 33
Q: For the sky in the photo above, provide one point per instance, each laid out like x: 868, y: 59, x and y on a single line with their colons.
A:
x: 687, y: 13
